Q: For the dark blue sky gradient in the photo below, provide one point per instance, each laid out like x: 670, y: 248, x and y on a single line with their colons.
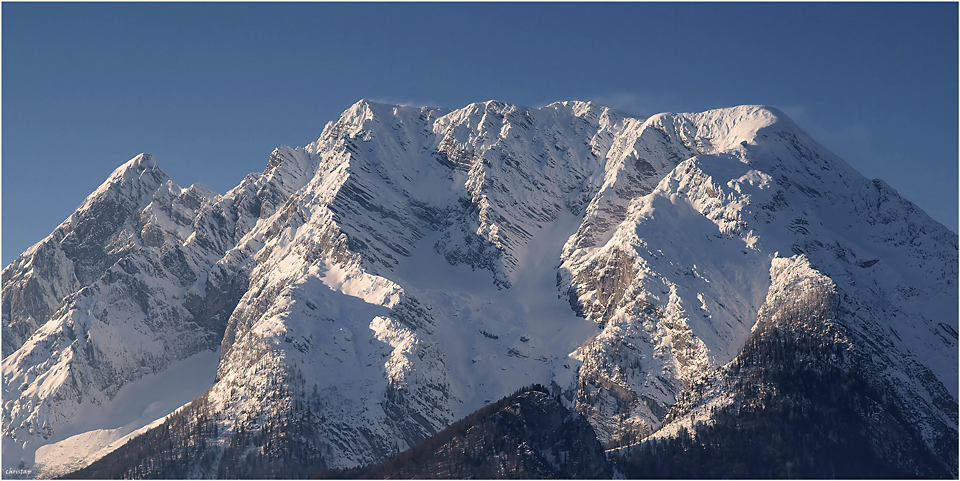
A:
x: 212, y: 89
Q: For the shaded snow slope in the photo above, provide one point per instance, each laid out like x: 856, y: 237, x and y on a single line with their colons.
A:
x: 137, y: 406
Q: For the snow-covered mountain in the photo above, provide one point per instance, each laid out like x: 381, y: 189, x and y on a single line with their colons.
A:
x: 415, y: 264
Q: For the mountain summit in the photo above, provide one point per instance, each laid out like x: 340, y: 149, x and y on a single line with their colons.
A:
x: 663, y: 277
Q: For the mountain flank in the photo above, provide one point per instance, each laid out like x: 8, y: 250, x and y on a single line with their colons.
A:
x: 713, y: 285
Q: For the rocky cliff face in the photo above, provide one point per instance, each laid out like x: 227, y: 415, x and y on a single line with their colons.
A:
x: 415, y: 264
x: 151, y: 276
x: 118, y: 292
x: 687, y: 271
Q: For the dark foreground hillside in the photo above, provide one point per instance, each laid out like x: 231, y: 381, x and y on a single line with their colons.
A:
x: 528, y: 435
x: 800, y: 416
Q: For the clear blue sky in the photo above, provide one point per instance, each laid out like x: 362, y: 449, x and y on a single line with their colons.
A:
x: 212, y: 89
